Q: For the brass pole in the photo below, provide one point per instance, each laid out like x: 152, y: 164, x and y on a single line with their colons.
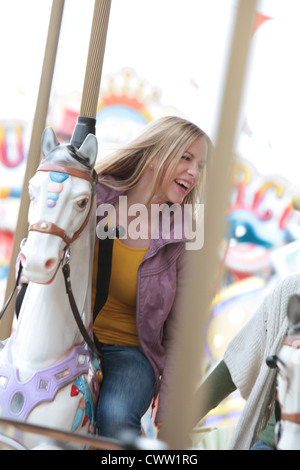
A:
x: 86, y: 122
x: 90, y: 93
x: 196, y: 302
x: 34, y: 152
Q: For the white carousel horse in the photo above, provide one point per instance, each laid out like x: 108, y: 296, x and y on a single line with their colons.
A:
x: 48, y: 374
x: 288, y: 381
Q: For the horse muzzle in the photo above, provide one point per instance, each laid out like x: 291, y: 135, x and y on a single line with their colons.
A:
x: 41, y: 258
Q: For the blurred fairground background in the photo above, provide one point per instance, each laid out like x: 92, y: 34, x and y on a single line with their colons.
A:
x: 168, y: 57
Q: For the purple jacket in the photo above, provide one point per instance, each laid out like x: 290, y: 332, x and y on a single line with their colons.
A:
x: 161, y: 275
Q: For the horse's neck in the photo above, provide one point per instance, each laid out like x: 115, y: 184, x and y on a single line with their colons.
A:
x: 46, y: 328
x: 288, y: 393
x: 290, y: 438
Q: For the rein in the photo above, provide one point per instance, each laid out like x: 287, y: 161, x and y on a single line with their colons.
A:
x: 4, y: 308
x: 49, y: 227
x: 76, y: 314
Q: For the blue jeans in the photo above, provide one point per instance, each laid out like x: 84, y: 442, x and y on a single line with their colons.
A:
x: 260, y: 445
x: 126, y: 390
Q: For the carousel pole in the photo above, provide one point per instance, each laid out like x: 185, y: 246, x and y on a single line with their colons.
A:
x: 34, y: 151
x: 189, y: 346
x: 86, y: 122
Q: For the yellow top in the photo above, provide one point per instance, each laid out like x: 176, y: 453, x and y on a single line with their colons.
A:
x: 116, y: 323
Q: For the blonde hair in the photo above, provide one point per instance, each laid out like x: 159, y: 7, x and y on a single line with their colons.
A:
x: 164, y: 139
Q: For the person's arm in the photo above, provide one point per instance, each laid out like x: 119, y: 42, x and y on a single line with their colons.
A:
x: 215, y: 388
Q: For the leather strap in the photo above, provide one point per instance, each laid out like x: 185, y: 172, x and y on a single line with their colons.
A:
x: 292, y: 342
x: 44, y: 226
x: 11, y: 295
x: 69, y: 171
x: 48, y: 227
x: 20, y: 298
x: 76, y: 314
x: 293, y: 417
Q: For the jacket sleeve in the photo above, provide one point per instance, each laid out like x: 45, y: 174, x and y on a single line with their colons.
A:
x: 246, y: 353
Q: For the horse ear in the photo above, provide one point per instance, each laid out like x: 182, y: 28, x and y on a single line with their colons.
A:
x: 49, y: 141
x: 88, y: 149
x: 293, y: 310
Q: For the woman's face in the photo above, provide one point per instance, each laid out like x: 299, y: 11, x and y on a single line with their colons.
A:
x: 186, y: 174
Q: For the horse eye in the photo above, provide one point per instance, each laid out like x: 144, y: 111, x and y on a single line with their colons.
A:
x: 82, y: 203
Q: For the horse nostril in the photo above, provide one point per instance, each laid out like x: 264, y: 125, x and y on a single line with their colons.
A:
x: 50, y: 263
x: 23, y: 260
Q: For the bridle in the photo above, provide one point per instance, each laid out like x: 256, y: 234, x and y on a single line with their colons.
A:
x: 45, y: 226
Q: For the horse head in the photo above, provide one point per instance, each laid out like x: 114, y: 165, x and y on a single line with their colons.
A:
x: 293, y: 314
x: 287, y: 363
x: 61, y: 198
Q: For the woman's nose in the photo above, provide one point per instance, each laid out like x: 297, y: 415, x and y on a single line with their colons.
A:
x: 193, y: 171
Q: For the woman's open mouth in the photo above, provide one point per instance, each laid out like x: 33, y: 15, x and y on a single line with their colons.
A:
x: 183, y: 185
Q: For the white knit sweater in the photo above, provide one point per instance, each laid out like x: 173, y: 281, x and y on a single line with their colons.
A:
x: 245, y: 358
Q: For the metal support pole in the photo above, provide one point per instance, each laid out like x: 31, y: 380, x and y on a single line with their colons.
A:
x: 86, y: 122
x: 34, y: 152
x: 196, y: 302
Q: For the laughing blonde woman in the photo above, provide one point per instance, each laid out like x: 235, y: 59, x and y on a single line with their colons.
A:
x: 162, y: 169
